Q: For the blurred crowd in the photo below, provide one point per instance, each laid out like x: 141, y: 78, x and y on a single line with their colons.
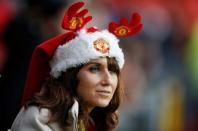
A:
x: 161, y: 70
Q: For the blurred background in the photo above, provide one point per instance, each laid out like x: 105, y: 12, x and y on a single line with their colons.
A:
x: 161, y: 70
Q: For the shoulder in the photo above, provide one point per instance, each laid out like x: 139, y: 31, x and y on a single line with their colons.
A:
x: 34, y: 112
x: 32, y: 118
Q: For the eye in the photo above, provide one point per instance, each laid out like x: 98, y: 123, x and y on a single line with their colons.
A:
x: 112, y: 72
x: 94, y: 68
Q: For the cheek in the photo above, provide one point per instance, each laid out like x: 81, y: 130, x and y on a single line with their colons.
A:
x: 115, y: 82
x: 86, y: 81
x: 86, y: 86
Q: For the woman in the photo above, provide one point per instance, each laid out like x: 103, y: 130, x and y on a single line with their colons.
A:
x: 74, y: 81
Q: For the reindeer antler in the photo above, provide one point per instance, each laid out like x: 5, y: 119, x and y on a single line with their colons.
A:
x: 124, y: 28
x: 74, y: 20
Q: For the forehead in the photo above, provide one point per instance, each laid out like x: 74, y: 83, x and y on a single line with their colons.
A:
x: 102, y: 60
x: 99, y: 61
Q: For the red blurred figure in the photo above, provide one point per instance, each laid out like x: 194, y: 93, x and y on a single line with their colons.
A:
x: 7, y: 11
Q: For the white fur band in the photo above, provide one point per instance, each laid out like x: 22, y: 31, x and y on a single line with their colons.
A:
x: 81, y: 50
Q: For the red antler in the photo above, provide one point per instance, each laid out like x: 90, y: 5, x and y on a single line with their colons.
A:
x: 124, y: 28
x: 74, y: 20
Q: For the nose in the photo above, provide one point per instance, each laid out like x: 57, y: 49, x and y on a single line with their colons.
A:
x: 106, y: 80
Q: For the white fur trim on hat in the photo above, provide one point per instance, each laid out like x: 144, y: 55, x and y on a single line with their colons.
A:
x: 80, y: 50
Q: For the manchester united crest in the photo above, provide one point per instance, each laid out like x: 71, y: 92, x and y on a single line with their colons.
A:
x: 101, y: 45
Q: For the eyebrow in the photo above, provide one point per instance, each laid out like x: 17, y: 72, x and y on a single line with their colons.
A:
x: 94, y: 63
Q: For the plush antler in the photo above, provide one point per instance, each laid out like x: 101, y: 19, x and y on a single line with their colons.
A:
x: 124, y: 28
x: 74, y: 20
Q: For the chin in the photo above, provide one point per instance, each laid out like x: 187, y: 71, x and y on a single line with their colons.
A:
x: 103, y: 104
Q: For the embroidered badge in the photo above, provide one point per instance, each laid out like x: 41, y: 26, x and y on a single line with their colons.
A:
x: 75, y: 22
x: 122, y: 30
x: 125, y: 27
x: 75, y: 18
x: 101, y: 45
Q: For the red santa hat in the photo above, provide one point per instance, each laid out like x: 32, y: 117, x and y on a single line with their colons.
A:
x: 77, y: 47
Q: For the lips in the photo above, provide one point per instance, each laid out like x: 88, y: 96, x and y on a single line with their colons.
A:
x: 104, y: 92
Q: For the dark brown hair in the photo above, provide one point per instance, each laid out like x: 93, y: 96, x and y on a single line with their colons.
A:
x: 58, y: 96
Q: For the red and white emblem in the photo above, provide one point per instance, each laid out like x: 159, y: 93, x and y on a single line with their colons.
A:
x: 101, y: 45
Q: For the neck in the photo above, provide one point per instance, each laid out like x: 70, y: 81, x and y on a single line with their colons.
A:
x: 89, y: 109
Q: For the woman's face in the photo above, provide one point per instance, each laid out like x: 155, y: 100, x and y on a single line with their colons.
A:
x: 97, y: 83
